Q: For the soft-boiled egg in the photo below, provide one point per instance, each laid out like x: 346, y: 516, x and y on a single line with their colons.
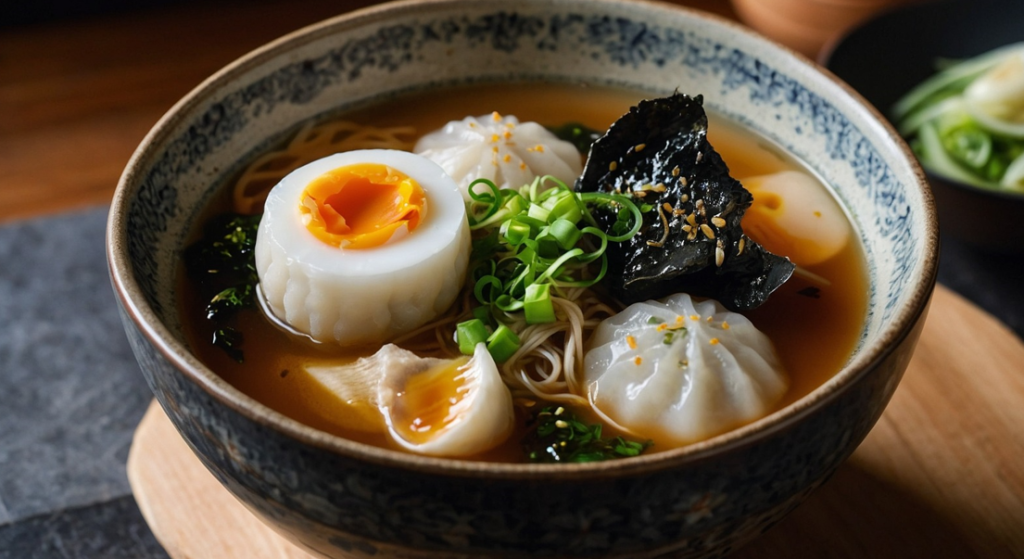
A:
x: 362, y: 246
x: 793, y: 216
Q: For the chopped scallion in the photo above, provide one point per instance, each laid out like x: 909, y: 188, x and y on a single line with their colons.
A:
x: 502, y: 343
x: 470, y: 333
x: 537, y: 305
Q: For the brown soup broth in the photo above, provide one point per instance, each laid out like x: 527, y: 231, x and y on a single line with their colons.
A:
x: 815, y: 328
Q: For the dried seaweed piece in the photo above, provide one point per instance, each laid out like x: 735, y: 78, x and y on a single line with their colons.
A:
x: 691, y: 239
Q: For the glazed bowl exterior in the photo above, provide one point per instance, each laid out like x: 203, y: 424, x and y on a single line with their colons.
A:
x: 338, y: 498
x: 950, y: 29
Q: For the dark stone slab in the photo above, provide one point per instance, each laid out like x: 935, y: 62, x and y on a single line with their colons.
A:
x: 111, y: 530
x: 71, y: 392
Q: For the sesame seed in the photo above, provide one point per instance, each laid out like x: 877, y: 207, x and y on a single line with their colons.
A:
x: 684, y: 198
x: 675, y: 171
x: 687, y: 228
x: 495, y: 116
x: 678, y: 212
x: 699, y: 156
x: 472, y: 125
x: 718, y: 222
x: 713, y: 341
x: 561, y: 424
x: 639, y: 193
x: 560, y: 410
x: 664, y: 231
x: 709, y: 318
x: 522, y: 165
x: 661, y: 327
x: 817, y: 213
x: 639, y: 147
x: 682, y: 181
x: 494, y: 149
x: 708, y: 231
x: 667, y: 206
x: 507, y: 134
x: 494, y: 138
x: 692, y: 235
x: 725, y: 325
x: 613, y: 165
x: 694, y: 317
x: 507, y: 158
x: 741, y: 245
x: 638, y: 360
x: 660, y: 187
x: 692, y: 219
x: 719, y: 256
x: 631, y: 341
x: 679, y: 319
x: 539, y: 148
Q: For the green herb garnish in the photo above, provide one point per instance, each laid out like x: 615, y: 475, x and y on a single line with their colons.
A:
x: 577, y: 134
x: 223, y: 265
x: 559, y: 436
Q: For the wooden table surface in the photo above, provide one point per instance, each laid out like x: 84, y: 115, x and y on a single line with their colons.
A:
x: 947, y: 458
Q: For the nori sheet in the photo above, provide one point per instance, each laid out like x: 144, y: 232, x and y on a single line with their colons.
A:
x: 641, y: 151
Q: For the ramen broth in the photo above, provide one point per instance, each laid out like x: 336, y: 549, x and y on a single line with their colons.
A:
x: 814, y: 327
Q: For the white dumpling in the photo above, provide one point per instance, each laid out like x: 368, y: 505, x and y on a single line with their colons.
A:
x: 679, y: 371
x: 439, y: 407
x: 501, y: 149
x: 349, y: 252
x: 793, y: 216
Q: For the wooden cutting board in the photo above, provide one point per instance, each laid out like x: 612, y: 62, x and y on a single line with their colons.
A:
x: 940, y: 475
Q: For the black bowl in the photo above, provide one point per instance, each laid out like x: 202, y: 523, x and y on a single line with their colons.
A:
x: 885, y: 57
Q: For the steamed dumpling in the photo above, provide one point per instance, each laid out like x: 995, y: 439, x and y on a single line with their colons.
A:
x: 501, y: 149
x: 362, y: 246
x: 794, y: 217
x: 679, y: 371
x: 438, y: 407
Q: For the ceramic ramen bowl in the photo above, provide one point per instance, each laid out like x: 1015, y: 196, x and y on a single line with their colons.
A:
x: 339, y: 498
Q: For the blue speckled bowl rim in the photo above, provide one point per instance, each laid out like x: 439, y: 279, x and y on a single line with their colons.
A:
x: 178, y: 354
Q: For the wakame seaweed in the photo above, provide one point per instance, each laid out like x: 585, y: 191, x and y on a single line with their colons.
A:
x: 557, y: 435
x: 223, y: 265
x: 577, y: 134
x: 691, y: 240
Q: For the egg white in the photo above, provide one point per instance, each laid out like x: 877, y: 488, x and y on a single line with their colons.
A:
x: 362, y: 296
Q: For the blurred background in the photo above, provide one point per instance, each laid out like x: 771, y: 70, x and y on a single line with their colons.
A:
x: 82, y: 82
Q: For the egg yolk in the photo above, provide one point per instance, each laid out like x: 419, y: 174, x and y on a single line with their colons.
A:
x: 362, y: 206
x: 427, y: 404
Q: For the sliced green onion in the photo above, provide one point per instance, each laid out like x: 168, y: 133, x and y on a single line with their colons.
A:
x: 502, y: 343
x: 470, y: 333
x: 563, y: 232
x: 483, y: 314
x: 934, y: 156
x: 537, y: 305
x: 539, y: 236
x: 516, y: 231
x: 1014, y: 177
x: 954, y: 77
